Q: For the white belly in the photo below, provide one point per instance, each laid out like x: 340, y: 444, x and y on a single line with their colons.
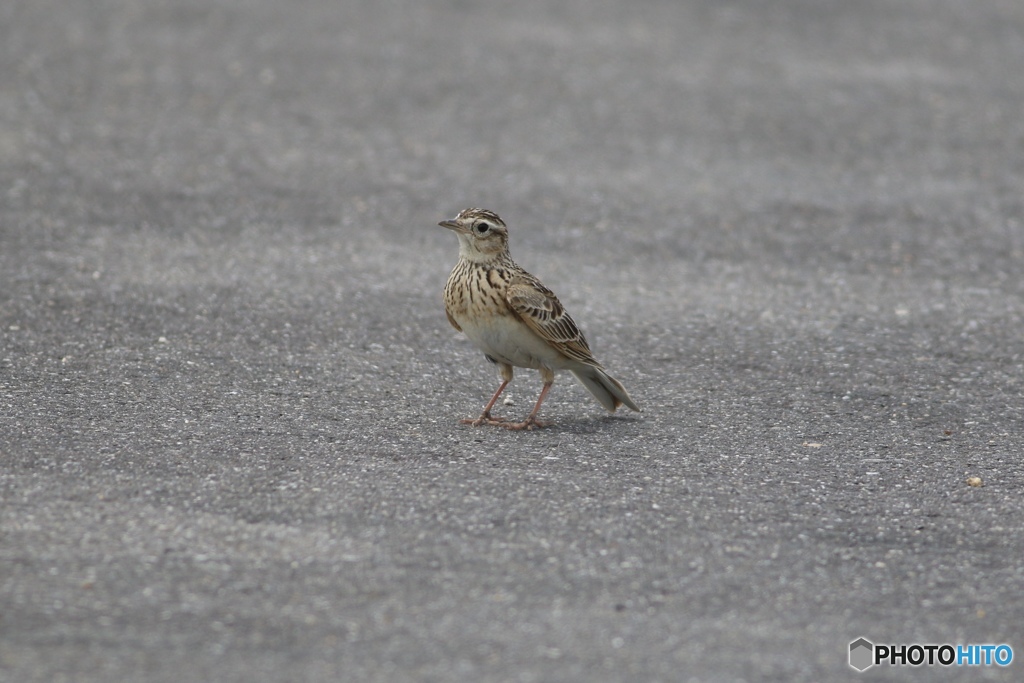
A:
x: 507, y: 340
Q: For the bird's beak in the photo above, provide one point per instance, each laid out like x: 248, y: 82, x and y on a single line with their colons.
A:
x: 452, y: 225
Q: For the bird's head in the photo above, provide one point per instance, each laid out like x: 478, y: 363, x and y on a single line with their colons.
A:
x: 482, y: 234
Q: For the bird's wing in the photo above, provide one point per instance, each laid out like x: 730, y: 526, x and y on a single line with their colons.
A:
x: 540, y: 309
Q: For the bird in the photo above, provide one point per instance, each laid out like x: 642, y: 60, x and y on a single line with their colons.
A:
x: 515, y: 320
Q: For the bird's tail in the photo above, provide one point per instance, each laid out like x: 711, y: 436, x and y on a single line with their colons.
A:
x: 605, y: 388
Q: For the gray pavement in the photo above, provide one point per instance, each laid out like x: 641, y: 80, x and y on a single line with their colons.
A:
x: 229, y: 447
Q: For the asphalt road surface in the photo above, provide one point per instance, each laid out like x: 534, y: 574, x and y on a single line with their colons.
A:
x: 229, y: 397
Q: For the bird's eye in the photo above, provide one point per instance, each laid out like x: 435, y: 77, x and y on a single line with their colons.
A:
x: 481, y: 228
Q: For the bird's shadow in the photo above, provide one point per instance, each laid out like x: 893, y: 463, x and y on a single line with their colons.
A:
x: 600, y: 424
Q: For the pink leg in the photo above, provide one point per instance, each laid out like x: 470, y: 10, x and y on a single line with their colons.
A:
x: 531, y: 421
x: 485, y: 417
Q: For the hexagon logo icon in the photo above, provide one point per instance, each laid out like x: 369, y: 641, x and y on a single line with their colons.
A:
x: 862, y: 654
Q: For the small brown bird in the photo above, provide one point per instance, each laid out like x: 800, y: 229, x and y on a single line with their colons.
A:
x: 515, y: 320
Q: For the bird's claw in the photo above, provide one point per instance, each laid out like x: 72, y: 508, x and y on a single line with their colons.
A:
x: 484, y: 419
x: 528, y: 424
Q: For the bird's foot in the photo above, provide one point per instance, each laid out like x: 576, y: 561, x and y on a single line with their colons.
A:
x: 529, y: 424
x: 485, y: 419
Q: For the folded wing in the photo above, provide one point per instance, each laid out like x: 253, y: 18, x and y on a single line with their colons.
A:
x: 538, y: 307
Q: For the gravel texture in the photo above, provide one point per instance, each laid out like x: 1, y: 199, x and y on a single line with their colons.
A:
x: 229, y: 447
